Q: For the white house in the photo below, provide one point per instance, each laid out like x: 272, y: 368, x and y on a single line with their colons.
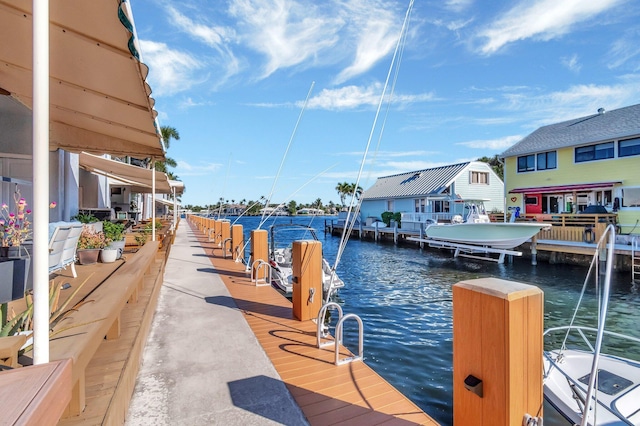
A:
x: 434, y: 193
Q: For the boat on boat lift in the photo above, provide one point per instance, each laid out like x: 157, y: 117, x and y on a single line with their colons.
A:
x: 475, y: 233
x: 281, y: 263
x: 584, y: 379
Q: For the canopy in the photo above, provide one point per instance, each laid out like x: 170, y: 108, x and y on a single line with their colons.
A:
x: 564, y: 188
x: 139, y: 179
x: 165, y: 202
x: 100, y: 101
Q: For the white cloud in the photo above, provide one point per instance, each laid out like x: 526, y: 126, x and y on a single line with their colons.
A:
x: 352, y: 97
x: 541, y: 20
x: 185, y: 168
x: 625, y: 49
x: 571, y: 63
x: 286, y: 32
x: 493, y: 144
x: 458, y: 5
x: 190, y: 103
x: 172, y: 71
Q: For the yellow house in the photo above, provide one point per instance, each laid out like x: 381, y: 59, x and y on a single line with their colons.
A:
x: 569, y: 166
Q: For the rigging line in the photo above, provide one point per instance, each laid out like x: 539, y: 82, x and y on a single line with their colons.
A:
x: 349, y: 226
x: 284, y: 157
x: 224, y: 187
x: 248, y: 209
x: 288, y: 198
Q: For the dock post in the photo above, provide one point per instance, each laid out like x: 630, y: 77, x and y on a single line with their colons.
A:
x: 375, y: 233
x: 217, y: 224
x: 395, y: 233
x: 259, y: 249
x: 306, y: 259
x: 497, y: 352
x: 360, y: 230
x: 225, y: 233
x: 534, y: 250
x: 421, y: 235
x: 237, y: 242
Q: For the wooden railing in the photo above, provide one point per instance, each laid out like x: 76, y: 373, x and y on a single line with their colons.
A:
x: 568, y: 227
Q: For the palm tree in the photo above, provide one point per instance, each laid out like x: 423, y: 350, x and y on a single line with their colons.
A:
x: 167, y: 133
x: 343, y: 190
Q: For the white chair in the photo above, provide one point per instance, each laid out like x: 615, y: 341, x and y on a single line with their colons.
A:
x: 63, y: 243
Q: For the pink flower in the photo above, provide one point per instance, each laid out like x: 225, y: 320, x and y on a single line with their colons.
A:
x: 53, y: 205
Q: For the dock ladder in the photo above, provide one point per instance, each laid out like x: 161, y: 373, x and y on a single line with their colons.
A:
x: 635, y: 260
x: 322, y: 332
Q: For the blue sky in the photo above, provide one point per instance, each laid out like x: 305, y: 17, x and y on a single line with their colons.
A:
x: 475, y: 77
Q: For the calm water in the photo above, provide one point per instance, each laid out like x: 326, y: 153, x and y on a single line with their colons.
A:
x: 403, y: 296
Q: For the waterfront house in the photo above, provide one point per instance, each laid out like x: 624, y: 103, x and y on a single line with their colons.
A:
x: 587, y: 161
x: 234, y: 209
x: 310, y: 211
x: 434, y: 193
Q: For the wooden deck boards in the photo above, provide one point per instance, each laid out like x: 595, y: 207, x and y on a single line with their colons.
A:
x: 327, y: 394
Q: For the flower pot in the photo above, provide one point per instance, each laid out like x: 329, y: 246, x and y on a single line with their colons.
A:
x: 118, y: 245
x: 88, y: 256
x: 13, y: 279
x: 108, y: 255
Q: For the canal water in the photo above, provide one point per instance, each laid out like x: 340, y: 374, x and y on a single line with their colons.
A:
x: 404, y: 297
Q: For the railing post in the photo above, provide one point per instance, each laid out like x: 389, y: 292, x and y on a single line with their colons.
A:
x: 306, y: 262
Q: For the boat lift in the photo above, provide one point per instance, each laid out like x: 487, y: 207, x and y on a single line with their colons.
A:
x: 469, y: 250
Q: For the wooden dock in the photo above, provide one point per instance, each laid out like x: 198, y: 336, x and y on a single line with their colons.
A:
x: 327, y: 394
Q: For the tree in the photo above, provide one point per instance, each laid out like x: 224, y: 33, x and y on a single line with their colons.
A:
x: 495, y: 163
x: 343, y: 190
x: 167, y: 133
x: 292, y: 207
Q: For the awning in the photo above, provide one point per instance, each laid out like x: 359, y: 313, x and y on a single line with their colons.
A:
x: 565, y: 188
x: 165, y: 202
x: 177, y: 185
x: 99, y: 99
x: 139, y: 179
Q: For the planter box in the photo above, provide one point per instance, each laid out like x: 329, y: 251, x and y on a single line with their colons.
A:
x: 13, y: 279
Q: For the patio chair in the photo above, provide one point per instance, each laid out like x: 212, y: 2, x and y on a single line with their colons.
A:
x: 63, y: 242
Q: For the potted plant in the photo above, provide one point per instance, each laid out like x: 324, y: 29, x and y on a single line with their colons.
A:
x: 89, y: 220
x: 114, y: 232
x: 89, y: 245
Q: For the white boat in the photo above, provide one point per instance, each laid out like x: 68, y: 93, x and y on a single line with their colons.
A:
x: 571, y: 385
x: 477, y: 229
x: 280, y: 260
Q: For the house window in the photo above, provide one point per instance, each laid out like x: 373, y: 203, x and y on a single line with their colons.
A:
x: 547, y: 160
x: 389, y: 205
x: 533, y: 201
x: 594, y: 152
x: 631, y: 197
x: 440, y: 206
x: 480, y: 177
x: 629, y: 147
x: 526, y: 163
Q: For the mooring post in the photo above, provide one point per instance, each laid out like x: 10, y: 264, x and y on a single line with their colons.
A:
x: 306, y: 257
x: 497, y: 352
x: 534, y: 250
x: 225, y: 233
x: 237, y: 242
x: 259, y: 249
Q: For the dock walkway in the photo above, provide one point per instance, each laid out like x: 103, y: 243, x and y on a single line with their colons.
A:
x: 223, y: 351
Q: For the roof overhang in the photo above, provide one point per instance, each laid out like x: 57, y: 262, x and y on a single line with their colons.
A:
x: 565, y: 188
x: 99, y: 99
x: 139, y: 179
x: 165, y: 202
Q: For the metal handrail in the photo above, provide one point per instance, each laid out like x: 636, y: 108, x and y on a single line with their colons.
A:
x: 320, y: 321
x: 224, y: 247
x: 339, y: 340
x: 255, y: 269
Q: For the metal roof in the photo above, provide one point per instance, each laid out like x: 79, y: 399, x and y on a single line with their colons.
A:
x: 600, y: 127
x: 421, y: 182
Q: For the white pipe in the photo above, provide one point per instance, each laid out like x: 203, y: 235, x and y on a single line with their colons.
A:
x: 40, y: 181
x: 153, y: 200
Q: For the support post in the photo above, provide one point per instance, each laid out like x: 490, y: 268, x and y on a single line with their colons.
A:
x: 225, y: 233
x: 259, y: 247
x: 497, y: 352
x: 306, y: 259
x: 237, y: 241
x: 217, y: 226
x: 534, y: 250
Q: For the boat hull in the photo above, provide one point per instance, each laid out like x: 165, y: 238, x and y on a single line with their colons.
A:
x: 497, y: 235
x: 622, y: 374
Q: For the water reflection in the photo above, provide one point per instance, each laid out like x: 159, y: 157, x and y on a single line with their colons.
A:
x: 403, y: 296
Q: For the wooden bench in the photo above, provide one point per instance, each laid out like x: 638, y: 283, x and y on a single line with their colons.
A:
x: 9, y: 347
x: 78, y: 337
x: 35, y: 395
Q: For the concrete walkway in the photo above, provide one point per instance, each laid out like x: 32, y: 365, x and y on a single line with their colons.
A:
x: 202, y: 364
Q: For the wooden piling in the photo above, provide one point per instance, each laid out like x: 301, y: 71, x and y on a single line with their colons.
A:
x: 307, y: 279
x: 497, y: 352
